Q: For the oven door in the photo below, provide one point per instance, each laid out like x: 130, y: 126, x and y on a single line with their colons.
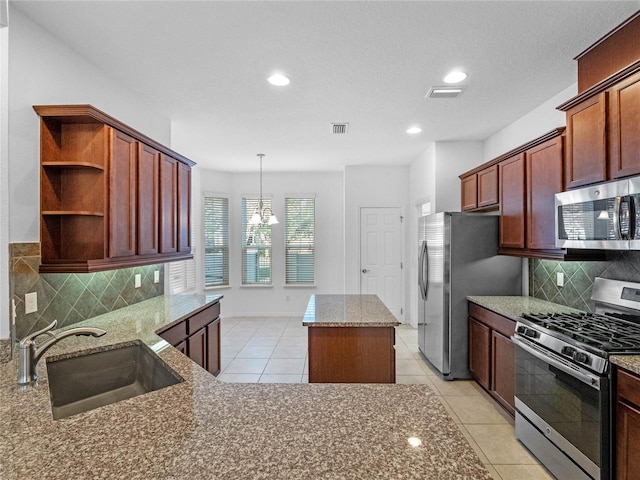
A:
x: 566, y: 403
x: 597, y: 217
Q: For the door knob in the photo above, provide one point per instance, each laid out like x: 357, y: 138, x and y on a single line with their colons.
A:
x: 364, y: 270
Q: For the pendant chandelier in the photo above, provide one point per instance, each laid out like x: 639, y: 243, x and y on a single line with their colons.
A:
x: 262, y: 216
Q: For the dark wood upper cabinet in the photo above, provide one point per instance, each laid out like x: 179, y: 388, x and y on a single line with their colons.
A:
x: 100, y: 194
x: 624, y: 128
x: 168, y: 204
x: 122, y: 198
x: 615, y: 52
x: 479, y: 189
x: 469, y: 191
x: 586, y: 156
x: 148, y: 206
x: 602, y: 120
x: 184, y: 208
x: 526, y: 180
x: 544, y: 180
x: 512, y: 202
x: 488, y: 187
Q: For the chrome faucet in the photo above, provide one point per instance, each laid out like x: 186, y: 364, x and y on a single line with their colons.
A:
x: 29, y: 354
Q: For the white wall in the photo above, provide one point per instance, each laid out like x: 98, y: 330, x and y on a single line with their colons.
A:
x: 5, y: 309
x: 539, y: 121
x: 371, y: 187
x: 277, y: 299
x: 44, y: 71
x: 452, y: 159
x: 422, y: 189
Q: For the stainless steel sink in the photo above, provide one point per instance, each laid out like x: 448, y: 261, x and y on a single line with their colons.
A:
x: 82, y: 383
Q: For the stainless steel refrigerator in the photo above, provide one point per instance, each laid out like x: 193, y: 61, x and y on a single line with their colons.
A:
x: 457, y: 257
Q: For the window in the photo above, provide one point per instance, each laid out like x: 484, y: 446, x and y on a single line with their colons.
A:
x: 300, y: 241
x: 256, y: 245
x: 216, y: 240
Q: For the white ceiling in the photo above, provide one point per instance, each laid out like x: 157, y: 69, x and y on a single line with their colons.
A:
x: 203, y: 64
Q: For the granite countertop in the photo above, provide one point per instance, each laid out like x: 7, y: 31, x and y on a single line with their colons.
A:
x: 514, y: 306
x: 628, y: 362
x: 205, y: 428
x: 347, y: 311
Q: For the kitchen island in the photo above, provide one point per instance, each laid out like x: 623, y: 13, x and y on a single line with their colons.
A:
x: 205, y: 428
x: 351, y: 339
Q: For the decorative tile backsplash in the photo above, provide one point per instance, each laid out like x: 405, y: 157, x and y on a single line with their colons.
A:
x: 71, y: 298
x: 579, y: 277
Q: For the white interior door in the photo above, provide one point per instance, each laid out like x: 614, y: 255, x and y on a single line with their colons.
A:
x: 381, y: 256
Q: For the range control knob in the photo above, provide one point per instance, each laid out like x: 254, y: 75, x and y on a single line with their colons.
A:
x: 521, y: 329
x: 581, y: 358
x: 530, y: 332
x: 568, y: 351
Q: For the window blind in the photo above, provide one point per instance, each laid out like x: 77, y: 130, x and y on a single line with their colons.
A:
x: 256, y: 245
x: 216, y: 240
x: 299, y: 241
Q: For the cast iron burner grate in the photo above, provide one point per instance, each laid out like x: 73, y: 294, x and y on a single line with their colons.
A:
x: 605, y: 333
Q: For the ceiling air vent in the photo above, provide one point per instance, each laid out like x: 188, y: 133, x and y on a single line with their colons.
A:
x: 339, y: 128
x: 444, y: 92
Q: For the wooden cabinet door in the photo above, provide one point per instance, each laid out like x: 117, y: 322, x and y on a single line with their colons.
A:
x: 184, y: 208
x: 168, y: 217
x: 122, y: 194
x: 586, y: 156
x: 544, y: 180
x: 213, y: 347
x: 148, y: 185
x: 183, y: 348
x: 488, y: 187
x: 627, y: 441
x: 512, y: 202
x: 198, y: 347
x: 624, y: 128
x: 469, y: 189
x: 479, y: 352
x: 502, y: 371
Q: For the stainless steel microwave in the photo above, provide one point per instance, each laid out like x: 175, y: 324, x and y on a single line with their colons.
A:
x: 603, y: 216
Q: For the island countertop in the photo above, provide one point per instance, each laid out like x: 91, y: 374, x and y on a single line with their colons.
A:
x: 347, y: 311
x: 205, y: 428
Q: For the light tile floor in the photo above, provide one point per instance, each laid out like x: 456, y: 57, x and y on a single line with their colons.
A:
x: 268, y: 350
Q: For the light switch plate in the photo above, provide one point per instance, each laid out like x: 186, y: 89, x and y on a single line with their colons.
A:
x: 156, y: 276
x: 137, y: 280
x: 560, y: 279
x: 31, y: 302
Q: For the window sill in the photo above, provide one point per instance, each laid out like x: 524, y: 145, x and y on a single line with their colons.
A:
x: 256, y: 286
x: 218, y: 287
x: 311, y: 285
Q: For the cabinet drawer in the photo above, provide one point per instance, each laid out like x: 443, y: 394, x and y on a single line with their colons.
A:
x: 204, y: 318
x: 629, y: 387
x: 501, y: 324
x: 176, y: 334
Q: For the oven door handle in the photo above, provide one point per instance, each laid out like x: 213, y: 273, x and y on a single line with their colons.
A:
x: 578, y: 373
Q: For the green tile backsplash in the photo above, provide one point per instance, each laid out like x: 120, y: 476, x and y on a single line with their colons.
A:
x: 579, y: 277
x: 71, y: 298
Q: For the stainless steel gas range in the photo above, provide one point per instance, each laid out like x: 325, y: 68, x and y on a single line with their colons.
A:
x: 563, y: 393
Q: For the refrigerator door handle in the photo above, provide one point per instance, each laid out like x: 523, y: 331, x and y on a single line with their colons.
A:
x: 423, y: 272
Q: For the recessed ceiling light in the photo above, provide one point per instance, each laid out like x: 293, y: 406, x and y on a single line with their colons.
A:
x: 278, y: 80
x: 455, y: 77
x: 414, y: 130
